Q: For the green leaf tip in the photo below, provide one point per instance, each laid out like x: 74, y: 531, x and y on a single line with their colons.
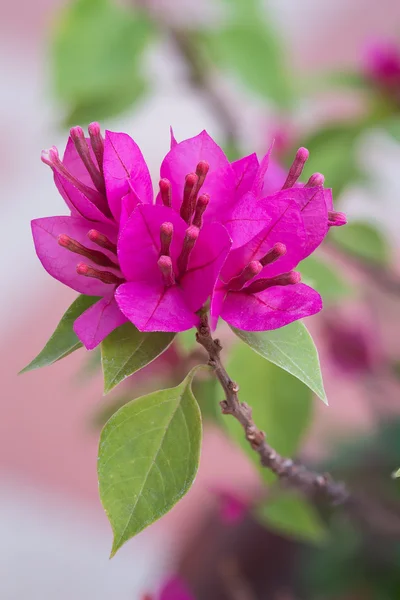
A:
x: 149, y: 453
x: 127, y: 350
x: 291, y: 348
x: 63, y: 341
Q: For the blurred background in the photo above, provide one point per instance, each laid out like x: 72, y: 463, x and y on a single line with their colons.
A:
x: 321, y: 74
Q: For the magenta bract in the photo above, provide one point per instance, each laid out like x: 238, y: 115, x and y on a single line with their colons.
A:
x: 216, y: 229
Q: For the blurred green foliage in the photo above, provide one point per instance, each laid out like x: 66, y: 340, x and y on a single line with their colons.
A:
x: 362, y: 240
x: 97, y: 52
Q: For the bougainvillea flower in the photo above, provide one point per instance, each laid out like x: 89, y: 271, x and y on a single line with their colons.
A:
x: 232, y: 507
x: 382, y: 66
x: 170, y: 268
x: 175, y: 589
x: 258, y: 289
x: 95, y: 177
x: 170, y: 254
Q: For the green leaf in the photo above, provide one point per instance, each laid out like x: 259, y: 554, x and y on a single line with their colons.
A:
x: 126, y: 350
x: 396, y: 474
x: 362, y: 240
x: 291, y: 348
x: 250, y: 48
x: 63, y: 341
x: 148, y: 458
x: 290, y: 514
x: 97, y: 50
x: 324, y: 278
x: 282, y: 405
x: 332, y: 152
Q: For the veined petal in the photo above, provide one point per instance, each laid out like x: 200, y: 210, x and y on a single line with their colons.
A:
x: 260, y: 174
x: 274, y: 178
x: 78, y: 203
x: 183, y: 159
x: 273, y: 308
x: 245, y: 171
x: 123, y: 166
x: 314, y: 211
x: 205, y: 263
x: 150, y: 306
x: 139, y: 242
x: 98, y: 321
x: 59, y: 262
x: 247, y: 218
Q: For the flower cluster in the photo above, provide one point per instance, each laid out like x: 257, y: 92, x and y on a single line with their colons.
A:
x: 228, y: 232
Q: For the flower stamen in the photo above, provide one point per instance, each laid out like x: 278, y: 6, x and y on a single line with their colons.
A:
x: 95, y: 256
x: 166, y: 233
x: 50, y: 157
x: 201, y: 171
x: 189, y: 197
x: 272, y: 255
x: 316, y: 180
x: 251, y: 270
x: 165, y: 191
x: 104, y: 276
x: 102, y: 240
x: 336, y: 219
x: 297, y: 167
x: 165, y: 265
x: 97, y: 142
x: 260, y: 285
x: 82, y: 148
x: 201, y: 205
x: 191, y: 235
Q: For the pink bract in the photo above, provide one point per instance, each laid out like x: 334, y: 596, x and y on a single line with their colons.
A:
x: 157, y: 261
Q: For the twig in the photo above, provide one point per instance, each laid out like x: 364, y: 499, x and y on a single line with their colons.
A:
x: 309, y: 482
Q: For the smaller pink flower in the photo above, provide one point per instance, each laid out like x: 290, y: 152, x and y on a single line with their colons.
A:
x: 382, y: 67
x: 232, y: 507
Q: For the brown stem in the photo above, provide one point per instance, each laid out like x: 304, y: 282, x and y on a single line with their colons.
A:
x: 311, y: 483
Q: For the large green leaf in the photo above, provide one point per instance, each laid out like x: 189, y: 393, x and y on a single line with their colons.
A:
x: 126, y: 350
x: 290, y: 514
x: 63, y: 341
x: 97, y: 50
x: 324, y: 278
x: 291, y: 348
x: 363, y: 240
x: 148, y: 458
x: 282, y: 405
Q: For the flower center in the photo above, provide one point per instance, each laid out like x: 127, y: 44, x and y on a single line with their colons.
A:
x: 192, y: 207
x: 246, y: 281
x: 165, y: 262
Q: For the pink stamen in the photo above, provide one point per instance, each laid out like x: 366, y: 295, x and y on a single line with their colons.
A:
x: 102, y: 240
x: 260, y: 285
x: 336, y: 219
x: 50, y: 157
x: 250, y: 271
x: 165, y: 265
x: 201, y: 171
x: 97, y: 142
x: 82, y: 148
x: 97, y: 257
x: 165, y: 191
x: 192, y: 233
x: 104, y: 276
x: 166, y: 233
x: 201, y: 205
x: 315, y: 180
x: 272, y: 255
x: 297, y: 167
x: 189, y: 197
